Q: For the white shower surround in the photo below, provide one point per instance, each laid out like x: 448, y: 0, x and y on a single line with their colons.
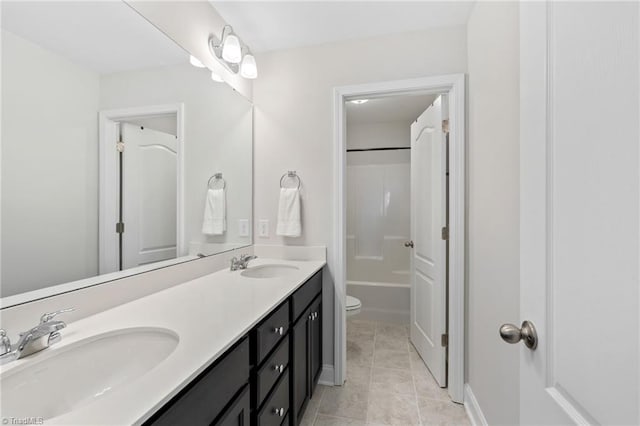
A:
x: 378, y: 220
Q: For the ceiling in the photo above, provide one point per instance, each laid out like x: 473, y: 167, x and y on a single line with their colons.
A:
x: 105, y: 37
x: 394, y: 108
x: 273, y: 25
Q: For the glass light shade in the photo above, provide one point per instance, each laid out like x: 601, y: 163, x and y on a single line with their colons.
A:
x: 195, y: 62
x: 216, y: 77
x: 231, y: 51
x: 248, y: 68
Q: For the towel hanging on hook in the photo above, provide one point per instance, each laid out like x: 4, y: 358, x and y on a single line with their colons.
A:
x: 289, y: 222
x: 215, y: 209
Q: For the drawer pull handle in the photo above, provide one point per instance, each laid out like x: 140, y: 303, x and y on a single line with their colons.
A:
x: 279, y: 330
x: 279, y: 368
x: 278, y: 411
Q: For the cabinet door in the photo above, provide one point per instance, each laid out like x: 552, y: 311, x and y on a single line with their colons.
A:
x: 315, y: 340
x: 238, y: 413
x: 204, y: 399
x: 300, y: 366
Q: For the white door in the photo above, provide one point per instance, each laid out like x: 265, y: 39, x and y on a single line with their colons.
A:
x: 580, y: 212
x: 428, y: 259
x: 149, y: 195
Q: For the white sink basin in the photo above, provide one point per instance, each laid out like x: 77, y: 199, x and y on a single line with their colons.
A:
x: 78, y: 374
x: 269, y: 271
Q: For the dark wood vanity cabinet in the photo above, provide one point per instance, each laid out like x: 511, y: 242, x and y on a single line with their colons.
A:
x: 315, y: 340
x: 212, y: 394
x: 267, y: 378
x: 306, y: 348
x: 239, y: 413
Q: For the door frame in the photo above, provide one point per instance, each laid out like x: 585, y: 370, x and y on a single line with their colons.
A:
x: 454, y: 86
x: 108, y: 179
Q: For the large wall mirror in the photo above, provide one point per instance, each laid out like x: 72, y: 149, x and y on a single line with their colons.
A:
x: 118, y: 155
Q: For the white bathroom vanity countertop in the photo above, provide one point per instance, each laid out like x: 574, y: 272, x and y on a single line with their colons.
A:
x: 209, y: 314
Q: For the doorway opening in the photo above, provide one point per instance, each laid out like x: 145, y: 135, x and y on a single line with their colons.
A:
x: 141, y: 191
x: 399, y: 227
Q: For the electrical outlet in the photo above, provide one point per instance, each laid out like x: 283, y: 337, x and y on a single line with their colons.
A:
x: 263, y: 228
x: 243, y: 227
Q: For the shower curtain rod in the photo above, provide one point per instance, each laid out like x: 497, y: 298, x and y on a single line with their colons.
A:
x: 377, y: 149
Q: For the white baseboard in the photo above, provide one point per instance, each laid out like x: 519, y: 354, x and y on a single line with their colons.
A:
x: 327, y: 375
x: 472, y: 407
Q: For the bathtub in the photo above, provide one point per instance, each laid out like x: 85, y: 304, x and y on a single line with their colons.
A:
x: 381, y: 283
x: 385, y: 302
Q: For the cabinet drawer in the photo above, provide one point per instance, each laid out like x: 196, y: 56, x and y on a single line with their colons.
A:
x: 272, y: 369
x: 305, y: 294
x: 276, y: 406
x: 239, y: 412
x: 270, y: 332
x: 205, y: 398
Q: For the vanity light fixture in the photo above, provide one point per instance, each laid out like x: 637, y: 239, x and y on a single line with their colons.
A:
x: 248, y: 67
x: 359, y: 101
x: 233, y: 54
x: 195, y: 62
x: 231, y: 49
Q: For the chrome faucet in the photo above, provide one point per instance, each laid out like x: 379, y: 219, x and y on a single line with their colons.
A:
x: 241, y: 263
x: 34, y: 340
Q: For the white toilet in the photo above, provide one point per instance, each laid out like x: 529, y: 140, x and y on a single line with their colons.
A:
x: 353, y: 306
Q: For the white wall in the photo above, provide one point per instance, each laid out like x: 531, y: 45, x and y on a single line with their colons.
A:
x: 493, y: 208
x: 378, y: 135
x: 162, y: 123
x: 49, y: 168
x: 218, y: 138
x: 293, y: 121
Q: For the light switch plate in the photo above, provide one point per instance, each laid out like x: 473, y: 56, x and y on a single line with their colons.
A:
x: 263, y: 228
x: 243, y: 227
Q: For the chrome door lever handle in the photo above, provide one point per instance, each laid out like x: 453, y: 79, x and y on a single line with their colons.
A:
x: 527, y: 333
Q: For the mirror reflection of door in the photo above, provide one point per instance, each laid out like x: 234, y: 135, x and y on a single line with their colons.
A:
x: 149, y: 194
x: 60, y: 166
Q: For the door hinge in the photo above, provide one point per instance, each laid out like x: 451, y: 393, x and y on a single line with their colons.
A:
x: 120, y: 228
x: 444, y: 340
x: 445, y: 126
x: 445, y: 233
x: 120, y: 146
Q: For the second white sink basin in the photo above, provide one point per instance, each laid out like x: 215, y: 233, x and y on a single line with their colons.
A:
x: 269, y: 271
x: 78, y: 374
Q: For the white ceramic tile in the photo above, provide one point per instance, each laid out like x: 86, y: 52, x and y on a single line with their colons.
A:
x: 391, y: 359
x: 442, y: 413
x: 392, y: 409
x: 395, y: 396
x: 392, y: 380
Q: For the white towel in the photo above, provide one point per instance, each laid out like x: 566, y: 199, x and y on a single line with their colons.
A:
x: 289, y: 213
x: 215, y: 215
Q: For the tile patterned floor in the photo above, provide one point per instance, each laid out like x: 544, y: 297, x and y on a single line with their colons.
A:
x: 387, y: 384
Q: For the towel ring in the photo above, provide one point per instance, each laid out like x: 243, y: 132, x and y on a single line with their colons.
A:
x: 215, y: 178
x: 290, y: 174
